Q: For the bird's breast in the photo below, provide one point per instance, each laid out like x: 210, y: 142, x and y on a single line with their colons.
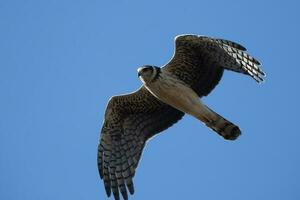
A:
x: 175, y: 93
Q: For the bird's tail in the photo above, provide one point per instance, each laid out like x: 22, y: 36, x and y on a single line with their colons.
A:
x: 219, y: 124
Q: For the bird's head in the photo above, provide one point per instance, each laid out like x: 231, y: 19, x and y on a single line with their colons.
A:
x: 148, y: 73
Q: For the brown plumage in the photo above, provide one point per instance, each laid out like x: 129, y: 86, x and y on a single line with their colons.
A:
x: 130, y: 120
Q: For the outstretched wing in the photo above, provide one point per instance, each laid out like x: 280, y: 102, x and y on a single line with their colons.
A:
x: 200, y: 61
x: 129, y: 121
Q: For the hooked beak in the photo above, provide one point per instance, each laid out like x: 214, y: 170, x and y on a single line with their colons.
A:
x: 139, y: 71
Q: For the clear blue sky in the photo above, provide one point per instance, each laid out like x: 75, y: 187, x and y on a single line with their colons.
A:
x: 61, y: 60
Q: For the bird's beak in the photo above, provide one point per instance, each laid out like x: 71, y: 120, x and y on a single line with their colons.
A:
x: 139, y: 71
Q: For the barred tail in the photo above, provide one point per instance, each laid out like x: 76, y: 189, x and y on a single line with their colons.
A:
x: 225, y: 128
x: 222, y: 126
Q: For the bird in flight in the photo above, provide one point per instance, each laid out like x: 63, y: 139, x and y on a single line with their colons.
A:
x: 166, y: 95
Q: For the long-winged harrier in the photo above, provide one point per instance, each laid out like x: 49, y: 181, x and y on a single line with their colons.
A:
x: 166, y: 95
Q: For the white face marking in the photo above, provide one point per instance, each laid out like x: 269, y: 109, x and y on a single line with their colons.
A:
x: 154, y: 72
x: 141, y: 77
x: 139, y: 69
x: 146, y: 74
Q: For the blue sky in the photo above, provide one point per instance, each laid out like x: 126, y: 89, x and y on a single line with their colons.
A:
x: 62, y: 60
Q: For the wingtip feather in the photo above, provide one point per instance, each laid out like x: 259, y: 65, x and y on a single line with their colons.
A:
x: 108, y: 190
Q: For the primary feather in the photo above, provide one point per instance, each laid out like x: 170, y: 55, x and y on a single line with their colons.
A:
x: 130, y: 120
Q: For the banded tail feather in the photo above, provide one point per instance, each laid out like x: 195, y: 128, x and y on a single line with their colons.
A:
x: 222, y: 126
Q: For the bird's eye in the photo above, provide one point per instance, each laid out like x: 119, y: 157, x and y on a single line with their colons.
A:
x: 147, y: 69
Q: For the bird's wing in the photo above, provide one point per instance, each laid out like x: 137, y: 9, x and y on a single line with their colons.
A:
x: 199, y: 61
x: 129, y: 121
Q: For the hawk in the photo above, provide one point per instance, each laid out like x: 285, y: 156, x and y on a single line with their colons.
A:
x: 166, y: 95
